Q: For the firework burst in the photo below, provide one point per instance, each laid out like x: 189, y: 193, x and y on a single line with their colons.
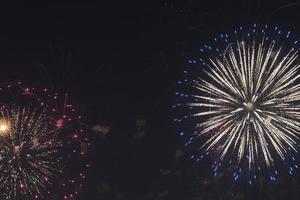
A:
x: 242, y: 101
x: 40, y: 141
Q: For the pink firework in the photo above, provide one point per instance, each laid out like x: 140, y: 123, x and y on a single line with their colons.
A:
x: 43, y: 144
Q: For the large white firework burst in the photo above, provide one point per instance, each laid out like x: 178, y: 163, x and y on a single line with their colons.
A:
x: 246, y: 103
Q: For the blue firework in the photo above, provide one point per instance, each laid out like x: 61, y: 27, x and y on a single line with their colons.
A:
x: 239, y: 101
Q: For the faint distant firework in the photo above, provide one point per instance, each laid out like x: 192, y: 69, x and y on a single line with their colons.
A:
x: 239, y: 102
x: 43, y: 145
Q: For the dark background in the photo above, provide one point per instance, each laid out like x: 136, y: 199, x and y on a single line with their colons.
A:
x: 120, y: 60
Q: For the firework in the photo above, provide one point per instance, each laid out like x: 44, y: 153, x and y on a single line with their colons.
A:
x: 42, y: 145
x: 242, y: 100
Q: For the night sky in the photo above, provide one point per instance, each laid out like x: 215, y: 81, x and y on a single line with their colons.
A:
x: 119, y: 62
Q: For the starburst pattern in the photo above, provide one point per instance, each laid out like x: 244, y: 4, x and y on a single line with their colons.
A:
x: 29, y: 160
x: 39, y: 144
x: 246, y: 103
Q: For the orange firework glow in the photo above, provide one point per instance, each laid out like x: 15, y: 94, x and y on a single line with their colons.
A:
x: 4, y: 127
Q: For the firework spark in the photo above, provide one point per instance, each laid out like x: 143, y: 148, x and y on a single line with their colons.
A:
x: 246, y: 104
